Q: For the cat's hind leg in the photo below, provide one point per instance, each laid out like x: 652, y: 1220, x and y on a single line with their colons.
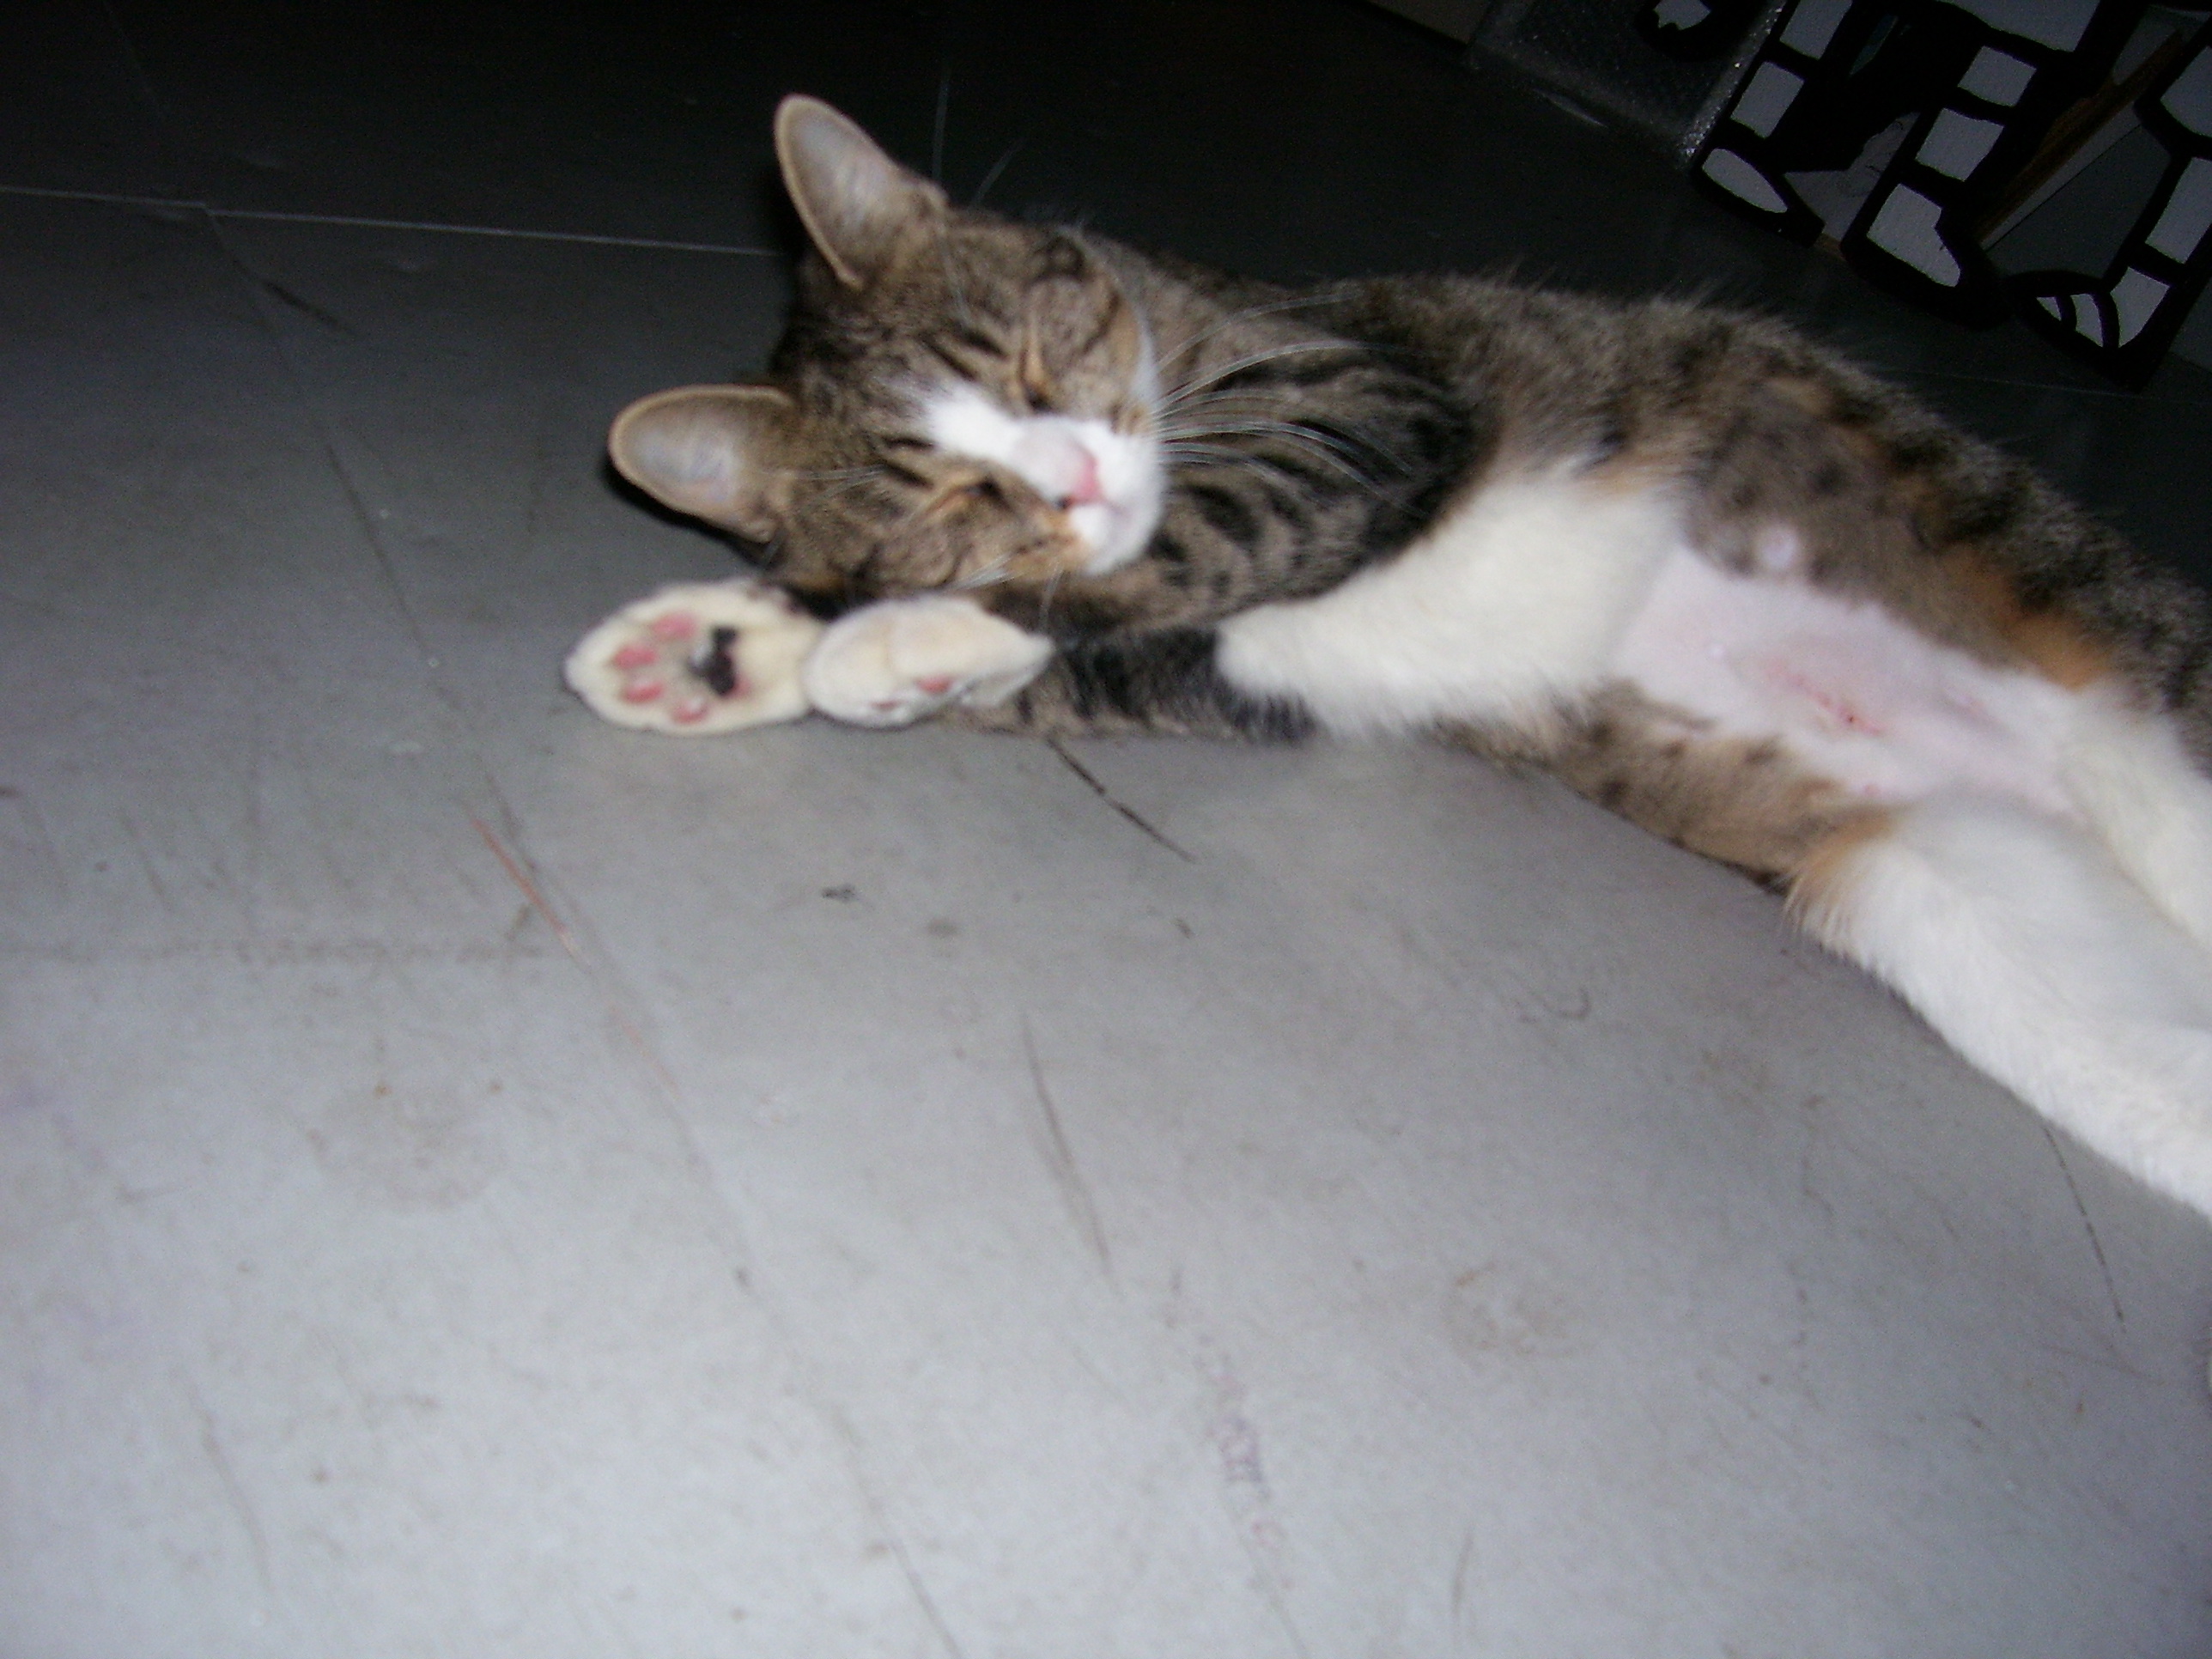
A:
x: 2018, y: 938
x: 2132, y: 780
x: 695, y: 659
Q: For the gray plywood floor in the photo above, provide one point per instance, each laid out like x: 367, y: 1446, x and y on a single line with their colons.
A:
x: 477, y: 1183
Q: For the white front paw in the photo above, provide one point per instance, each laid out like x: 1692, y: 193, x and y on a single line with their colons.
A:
x: 894, y: 661
x: 697, y: 659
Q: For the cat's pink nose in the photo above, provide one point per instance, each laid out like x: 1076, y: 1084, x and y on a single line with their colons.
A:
x: 1085, y: 490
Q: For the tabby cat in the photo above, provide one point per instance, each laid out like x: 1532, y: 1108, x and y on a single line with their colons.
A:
x: 1726, y: 585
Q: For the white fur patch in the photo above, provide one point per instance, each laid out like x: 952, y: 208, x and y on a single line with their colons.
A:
x: 2023, y: 945
x: 2131, y: 778
x: 1517, y: 598
x: 1108, y: 484
x: 894, y: 661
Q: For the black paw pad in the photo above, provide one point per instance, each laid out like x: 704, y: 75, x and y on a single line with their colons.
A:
x: 717, y: 665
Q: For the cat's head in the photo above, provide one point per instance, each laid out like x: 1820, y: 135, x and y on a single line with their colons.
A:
x: 959, y: 401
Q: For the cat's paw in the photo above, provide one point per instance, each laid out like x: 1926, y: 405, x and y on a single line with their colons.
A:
x: 697, y: 659
x: 894, y: 661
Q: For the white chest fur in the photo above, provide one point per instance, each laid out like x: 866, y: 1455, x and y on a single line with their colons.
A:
x: 1518, y: 599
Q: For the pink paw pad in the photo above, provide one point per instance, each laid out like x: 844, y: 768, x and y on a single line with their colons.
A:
x: 637, y: 654
x: 689, y: 711
x: 935, y: 685
x: 674, y: 626
x: 642, y: 690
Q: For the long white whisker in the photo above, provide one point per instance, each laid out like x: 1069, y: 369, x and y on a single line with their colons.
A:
x: 1335, y: 453
x: 1298, y: 431
x: 1233, y: 397
x: 953, y: 281
x: 993, y: 572
x: 997, y: 167
x: 1182, y: 391
x: 860, y: 477
x: 1244, y: 315
x: 937, y: 135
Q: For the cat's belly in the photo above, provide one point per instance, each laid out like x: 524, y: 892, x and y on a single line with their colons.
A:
x: 1543, y: 590
x: 1851, y: 694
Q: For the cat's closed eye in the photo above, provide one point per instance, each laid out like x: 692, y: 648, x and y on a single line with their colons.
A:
x: 980, y: 491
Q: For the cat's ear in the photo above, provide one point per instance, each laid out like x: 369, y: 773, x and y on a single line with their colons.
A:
x: 858, y: 203
x: 706, y: 450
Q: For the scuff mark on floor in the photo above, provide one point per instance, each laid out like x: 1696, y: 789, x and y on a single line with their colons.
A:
x: 219, y: 1460
x: 278, y: 292
x: 879, y: 1513
x: 146, y: 865
x: 528, y: 889
x: 38, y: 841
x: 1107, y: 796
x: 1463, y: 1617
x: 2096, y: 1245
x: 1236, y: 1439
x: 1244, y: 1480
x: 1060, y: 1158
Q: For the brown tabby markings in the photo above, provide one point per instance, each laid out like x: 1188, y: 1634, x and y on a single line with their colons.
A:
x: 2054, y: 645
x: 1741, y: 801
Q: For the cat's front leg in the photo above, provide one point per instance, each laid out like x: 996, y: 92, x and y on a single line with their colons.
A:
x: 893, y: 662
x: 697, y: 659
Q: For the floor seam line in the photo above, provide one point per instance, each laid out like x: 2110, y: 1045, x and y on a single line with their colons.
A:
x: 273, y: 216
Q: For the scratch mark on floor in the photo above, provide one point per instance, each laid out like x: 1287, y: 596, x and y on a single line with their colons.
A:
x: 308, y: 308
x: 146, y: 865
x: 2096, y: 1246
x: 528, y: 889
x: 211, y: 1446
x: 1107, y: 795
x: 1749, y: 1407
x: 879, y: 1514
x: 725, y: 1226
x: 36, y: 825
x: 1059, y: 1157
x: 2109, y: 1364
x: 1463, y: 1624
x: 1814, y: 1106
x: 270, y: 952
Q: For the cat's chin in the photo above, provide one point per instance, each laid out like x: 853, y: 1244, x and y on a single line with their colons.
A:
x: 1116, y: 530
x: 1112, y: 535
